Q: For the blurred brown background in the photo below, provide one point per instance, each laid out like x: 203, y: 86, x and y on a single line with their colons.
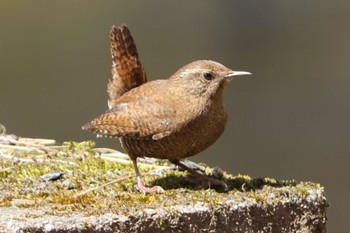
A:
x: 290, y: 120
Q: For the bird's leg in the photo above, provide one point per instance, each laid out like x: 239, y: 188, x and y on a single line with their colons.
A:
x: 140, y: 186
x: 202, y: 179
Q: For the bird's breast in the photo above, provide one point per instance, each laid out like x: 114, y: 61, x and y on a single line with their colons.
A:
x: 197, y: 135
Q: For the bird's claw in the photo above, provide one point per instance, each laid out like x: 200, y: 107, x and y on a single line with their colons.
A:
x: 147, y: 190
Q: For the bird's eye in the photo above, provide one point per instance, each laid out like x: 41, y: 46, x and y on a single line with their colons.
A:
x: 208, y: 76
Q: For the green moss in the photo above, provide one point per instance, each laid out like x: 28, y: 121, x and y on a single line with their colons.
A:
x: 258, y: 197
x: 5, y: 201
x: 304, y: 188
x: 87, y: 147
x: 83, y: 169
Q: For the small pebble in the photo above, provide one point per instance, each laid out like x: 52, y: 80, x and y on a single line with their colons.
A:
x: 52, y: 176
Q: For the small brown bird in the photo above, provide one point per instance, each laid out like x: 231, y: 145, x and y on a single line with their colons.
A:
x: 166, y: 119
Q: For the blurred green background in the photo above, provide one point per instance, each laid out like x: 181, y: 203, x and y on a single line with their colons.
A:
x: 290, y: 120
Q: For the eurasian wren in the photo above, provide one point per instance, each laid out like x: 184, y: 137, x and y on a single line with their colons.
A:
x: 166, y: 119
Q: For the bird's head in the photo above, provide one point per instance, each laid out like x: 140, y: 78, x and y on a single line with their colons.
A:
x: 203, y: 77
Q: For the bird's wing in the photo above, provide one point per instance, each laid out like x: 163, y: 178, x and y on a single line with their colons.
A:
x: 127, y: 70
x: 135, y: 121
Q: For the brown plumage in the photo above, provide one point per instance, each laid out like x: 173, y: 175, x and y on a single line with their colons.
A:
x: 167, y: 119
x: 127, y: 70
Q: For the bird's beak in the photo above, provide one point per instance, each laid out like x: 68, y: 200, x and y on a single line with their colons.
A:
x: 236, y: 73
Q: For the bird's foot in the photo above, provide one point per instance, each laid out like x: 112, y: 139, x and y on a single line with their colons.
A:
x: 146, y: 190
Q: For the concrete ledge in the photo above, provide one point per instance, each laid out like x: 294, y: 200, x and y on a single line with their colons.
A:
x: 284, y: 209
x: 76, y: 187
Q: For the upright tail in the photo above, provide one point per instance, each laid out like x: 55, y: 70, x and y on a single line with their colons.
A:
x: 127, y: 70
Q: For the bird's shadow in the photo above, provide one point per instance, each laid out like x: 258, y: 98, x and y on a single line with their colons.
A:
x: 234, y: 182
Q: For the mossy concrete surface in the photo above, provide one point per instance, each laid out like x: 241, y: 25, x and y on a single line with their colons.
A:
x: 62, y: 188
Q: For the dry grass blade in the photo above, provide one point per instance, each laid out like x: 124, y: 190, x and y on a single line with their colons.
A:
x: 2, y: 129
x: 6, y: 169
x: 82, y: 193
